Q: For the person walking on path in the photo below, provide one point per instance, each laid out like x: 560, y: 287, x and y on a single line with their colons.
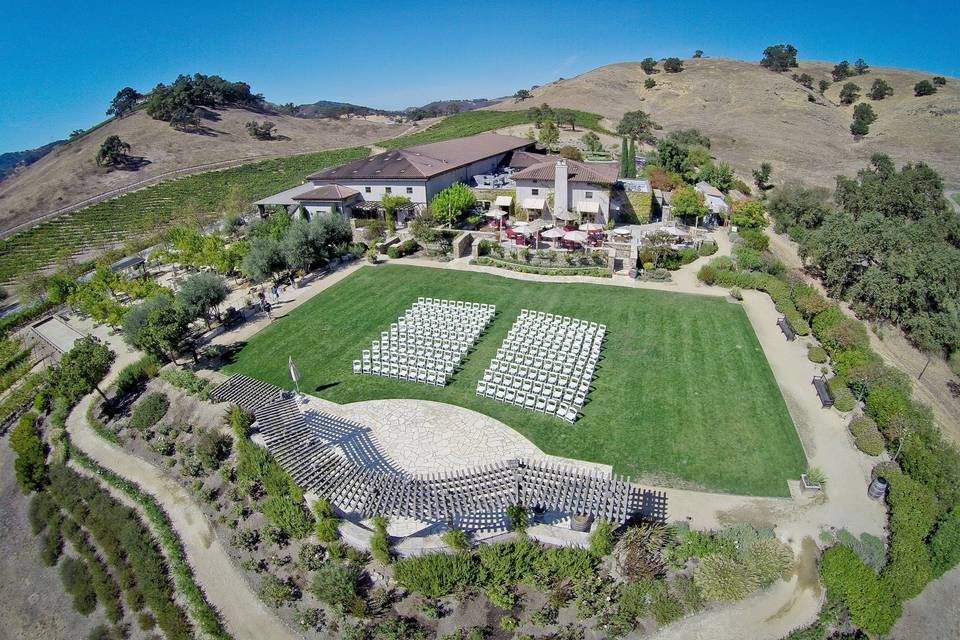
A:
x: 275, y: 292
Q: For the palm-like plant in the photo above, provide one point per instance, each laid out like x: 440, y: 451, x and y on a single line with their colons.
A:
x: 639, y: 552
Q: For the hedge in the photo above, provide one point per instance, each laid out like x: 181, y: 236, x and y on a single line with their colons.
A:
x: 945, y: 543
x: 404, y: 248
x: 866, y: 435
x: 135, y: 375
x: 206, y: 617
x: 149, y: 411
x: 596, y: 272
x: 816, y: 354
x: 871, y: 606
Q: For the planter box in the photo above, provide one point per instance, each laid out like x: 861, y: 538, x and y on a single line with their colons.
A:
x: 580, y: 523
x: 807, y: 486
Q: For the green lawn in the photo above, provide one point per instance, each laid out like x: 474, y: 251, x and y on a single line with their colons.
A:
x: 470, y: 123
x: 683, y: 389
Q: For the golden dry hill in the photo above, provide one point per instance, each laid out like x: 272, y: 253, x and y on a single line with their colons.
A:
x: 70, y: 174
x: 753, y: 115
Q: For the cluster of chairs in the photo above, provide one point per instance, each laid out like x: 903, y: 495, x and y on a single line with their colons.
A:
x: 428, y: 342
x: 545, y: 364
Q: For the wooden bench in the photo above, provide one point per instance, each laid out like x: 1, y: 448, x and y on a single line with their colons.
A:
x: 820, y: 384
x: 787, y: 330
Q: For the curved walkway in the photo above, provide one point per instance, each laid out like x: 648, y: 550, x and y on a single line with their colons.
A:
x: 244, y: 615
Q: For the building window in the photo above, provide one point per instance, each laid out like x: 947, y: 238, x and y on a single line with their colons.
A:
x: 367, y: 189
x: 534, y: 192
x: 588, y: 194
x: 387, y: 190
x: 409, y: 189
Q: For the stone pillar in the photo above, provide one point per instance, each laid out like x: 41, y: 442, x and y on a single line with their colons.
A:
x: 560, y: 191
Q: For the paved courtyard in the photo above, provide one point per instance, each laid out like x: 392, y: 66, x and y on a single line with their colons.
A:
x: 421, y: 437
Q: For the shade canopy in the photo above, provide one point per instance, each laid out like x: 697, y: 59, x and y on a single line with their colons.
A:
x: 575, y: 236
x: 588, y: 206
x: 564, y: 215
x: 591, y: 226
x: 556, y: 232
x: 621, y: 231
x: 534, y: 203
x: 494, y: 213
x: 503, y: 201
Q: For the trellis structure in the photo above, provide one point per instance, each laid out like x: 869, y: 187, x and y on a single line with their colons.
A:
x: 475, y: 498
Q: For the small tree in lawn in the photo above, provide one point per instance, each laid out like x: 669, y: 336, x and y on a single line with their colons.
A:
x: 637, y: 125
x: 649, y: 66
x: 451, y: 203
x: 202, y: 292
x: 688, y: 203
x: 592, y: 141
x: 124, y: 102
x: 113, y: 152
x: 82, y: 368
x: 749, y: 214
x: 880, y: 89
x: 761, y: 176
x: 924, y: 88
x: 849, y: 93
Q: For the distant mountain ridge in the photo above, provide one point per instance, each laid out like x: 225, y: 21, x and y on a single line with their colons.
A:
x: 10, y: 161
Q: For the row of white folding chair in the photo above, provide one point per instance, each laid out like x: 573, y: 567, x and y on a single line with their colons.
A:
x: 571, y: 394
x: 422, y: 341
x: 453, y: 335
x: 529, y: 343
x: 546, y: 360
x: 404, y: 372
x: 446, y: 312
x: 549, y: 318
x: 556, y: 333
x: 399, y: 357
x: 541, y: 404
x: 409, y: 346
x: 549, y: 352
x: 450, y: 324
x: 498, y: 368
x: 456, y: 303
x: 453, y: 355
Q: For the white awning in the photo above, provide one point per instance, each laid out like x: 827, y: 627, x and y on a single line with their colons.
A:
x: 503, y: 201
x: 536, y: 204
x: 588, y: 206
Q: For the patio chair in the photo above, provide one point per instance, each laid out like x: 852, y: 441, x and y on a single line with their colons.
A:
x: 529, y: 401
x: 357, y: 367
x: 541, y: 405
x: 551, y: 407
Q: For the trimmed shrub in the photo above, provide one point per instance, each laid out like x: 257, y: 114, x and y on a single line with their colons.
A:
x: 945, y: 543
x: 187, y: 380
x: 866, y: 435
x: 707, y: 274
x: 403, y: 249
x: 843, y: 399
x: 816, y: 354
x: 723, y: 579
x: 885, y: 405
x: 337, y: 585
x: 871, y: 606
x: 456, y: 539
x: 437, y: 574
x: 135, y: 375
x: 913, y: 511
x: 77, y: 582
x: 380, y: 542
x: 149, y: 411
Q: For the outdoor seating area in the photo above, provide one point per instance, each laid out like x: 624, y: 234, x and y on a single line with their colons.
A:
x: 545, y: 364
x: 823, y: 391
x: 787, y: 330
x: 428, y: 342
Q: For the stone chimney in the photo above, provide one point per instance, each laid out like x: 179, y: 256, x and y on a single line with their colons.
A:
x: 560, y: 187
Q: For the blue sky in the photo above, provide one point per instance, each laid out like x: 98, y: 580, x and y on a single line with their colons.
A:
x: 62, y: 62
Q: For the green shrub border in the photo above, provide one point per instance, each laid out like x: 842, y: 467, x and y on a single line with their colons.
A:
x: 597, y: 272
x: 206, y: 616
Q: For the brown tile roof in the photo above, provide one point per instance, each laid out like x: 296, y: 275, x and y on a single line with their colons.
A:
x: 524, y: 159
x: 327, y: 192
x: 595, y: 173
x: 426, y: 160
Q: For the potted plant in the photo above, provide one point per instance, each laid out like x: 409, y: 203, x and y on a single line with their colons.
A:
x: 580, y: 522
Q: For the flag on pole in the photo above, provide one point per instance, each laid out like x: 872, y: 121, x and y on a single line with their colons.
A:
x: 294, y: 372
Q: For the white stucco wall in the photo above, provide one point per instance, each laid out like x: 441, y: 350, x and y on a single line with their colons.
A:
x: 576, y: 192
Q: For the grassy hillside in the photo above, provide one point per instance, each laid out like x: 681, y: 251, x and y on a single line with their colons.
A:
x: 473, y: 122
x: 137, y: 217
x: 754, y: 115
x: 69, y: 174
